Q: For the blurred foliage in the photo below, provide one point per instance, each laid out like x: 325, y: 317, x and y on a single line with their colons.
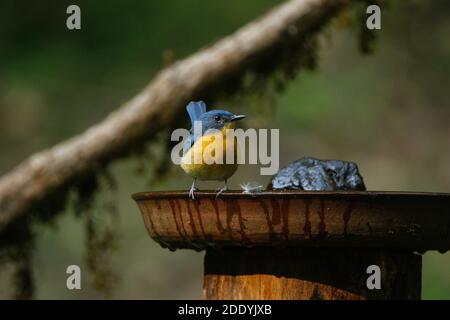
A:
x: 388, y: 112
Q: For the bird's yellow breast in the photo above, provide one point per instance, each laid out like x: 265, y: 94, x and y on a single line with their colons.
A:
x: 201, y: 160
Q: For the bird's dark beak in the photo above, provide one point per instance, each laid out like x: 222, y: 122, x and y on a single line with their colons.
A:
x: 237, y: 117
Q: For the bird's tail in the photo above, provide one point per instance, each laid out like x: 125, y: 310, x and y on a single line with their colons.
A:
x: 195, y: 109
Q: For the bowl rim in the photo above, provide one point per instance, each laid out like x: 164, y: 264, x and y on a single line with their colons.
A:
x: 239, y: 194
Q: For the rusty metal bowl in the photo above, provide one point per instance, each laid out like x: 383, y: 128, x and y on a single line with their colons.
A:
x: 416, y: 221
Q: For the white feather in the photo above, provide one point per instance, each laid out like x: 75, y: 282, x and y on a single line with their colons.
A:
x: 251, y: 187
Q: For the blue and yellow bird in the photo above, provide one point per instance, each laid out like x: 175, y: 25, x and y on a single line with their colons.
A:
x: 195, y: 147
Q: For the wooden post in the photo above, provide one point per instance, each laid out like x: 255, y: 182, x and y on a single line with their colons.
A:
x: 309, y: 273
x: 303, y: 245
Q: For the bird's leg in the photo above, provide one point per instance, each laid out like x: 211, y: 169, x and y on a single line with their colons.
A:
x: 224, y: 188
x: 193, y: 188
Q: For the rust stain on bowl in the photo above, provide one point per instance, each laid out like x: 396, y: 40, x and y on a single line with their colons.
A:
x: 294, y: 218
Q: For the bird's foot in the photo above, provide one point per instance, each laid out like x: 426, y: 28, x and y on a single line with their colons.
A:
x: 221, y: 190
x: 191, y: 192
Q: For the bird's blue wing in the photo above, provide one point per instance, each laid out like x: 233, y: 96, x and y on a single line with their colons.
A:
x: 195, y: 109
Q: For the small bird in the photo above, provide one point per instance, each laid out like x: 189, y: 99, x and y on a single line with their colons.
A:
x: 195, y: 147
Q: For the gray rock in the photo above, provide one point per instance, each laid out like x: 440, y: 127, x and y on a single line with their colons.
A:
x: 312, y: 174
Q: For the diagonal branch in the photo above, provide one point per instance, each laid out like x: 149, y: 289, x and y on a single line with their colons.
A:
x: 158, y: 105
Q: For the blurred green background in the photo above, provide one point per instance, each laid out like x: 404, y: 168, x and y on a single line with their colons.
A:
x: 388, y: 111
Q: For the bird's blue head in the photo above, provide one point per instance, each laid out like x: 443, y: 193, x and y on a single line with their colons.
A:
x: 214, y: 119
x: 217, y: 119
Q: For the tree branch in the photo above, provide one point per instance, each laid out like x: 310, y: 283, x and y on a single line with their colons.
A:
x: 158, y: 105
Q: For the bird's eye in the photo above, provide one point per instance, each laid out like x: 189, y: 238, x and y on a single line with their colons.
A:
x: 217, y: 118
